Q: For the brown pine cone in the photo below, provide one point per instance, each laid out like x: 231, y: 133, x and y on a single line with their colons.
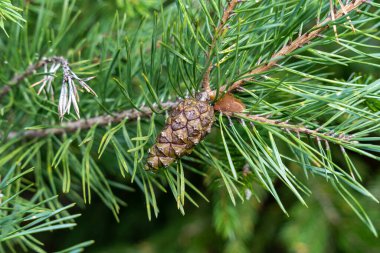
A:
x: 186, y: 126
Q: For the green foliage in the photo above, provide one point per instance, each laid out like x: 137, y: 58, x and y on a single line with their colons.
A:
x: 9, y: 12
x: 23, y: 216
x: 146, y: 54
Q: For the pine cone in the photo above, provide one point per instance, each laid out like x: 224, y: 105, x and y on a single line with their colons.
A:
x: 186, y: 126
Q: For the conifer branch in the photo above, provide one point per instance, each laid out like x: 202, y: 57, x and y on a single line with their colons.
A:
x: 146, y: 111
x: 72, y: 126
x: 218, y: 31
x: 292, y: 46
x: 132, y: 114
x: 303, y: 119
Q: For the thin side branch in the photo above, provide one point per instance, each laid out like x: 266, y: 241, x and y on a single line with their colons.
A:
x: 298, y: 129
x: 218, y: 31
x: 103, y: 120
x: 298, y: 43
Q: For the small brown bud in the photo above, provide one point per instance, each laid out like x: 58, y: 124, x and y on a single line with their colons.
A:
x: 229, y: 103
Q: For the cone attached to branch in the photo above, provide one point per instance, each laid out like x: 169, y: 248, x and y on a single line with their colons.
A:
x: 186, y: 126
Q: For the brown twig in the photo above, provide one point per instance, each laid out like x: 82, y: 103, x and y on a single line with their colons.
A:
x: 19, y: 77
x: 132, y: 114
x: 73, y: 126
x: 297, y: 43
x: 218, y: 31
x: 298, y: 129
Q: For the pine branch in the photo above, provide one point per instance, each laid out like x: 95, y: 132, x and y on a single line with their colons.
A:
x: 218, y: 32
x: 73, y: 126
x: 322, y: 111
x: 145, y: 111
x: 298, y: 43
